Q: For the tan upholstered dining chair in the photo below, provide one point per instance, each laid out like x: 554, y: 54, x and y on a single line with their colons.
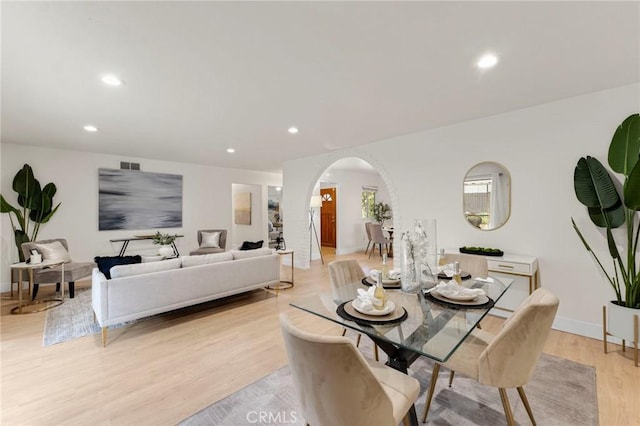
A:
x: 342, y: 273
x: 507, y: 359
x: 473, y: 264
x: 338, y: 386
x: 377, y: 237
x: 368, y: 231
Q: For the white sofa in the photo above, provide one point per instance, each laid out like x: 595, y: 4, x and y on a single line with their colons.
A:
x: 144, y: 289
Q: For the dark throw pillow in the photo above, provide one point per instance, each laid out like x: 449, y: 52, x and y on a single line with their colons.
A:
x: 248, y: 245
x: 105, y: 263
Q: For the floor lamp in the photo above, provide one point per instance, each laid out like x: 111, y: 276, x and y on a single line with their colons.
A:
x: 316, y: 202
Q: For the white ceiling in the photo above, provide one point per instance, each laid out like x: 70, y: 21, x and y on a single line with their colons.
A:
x: 204, y: 76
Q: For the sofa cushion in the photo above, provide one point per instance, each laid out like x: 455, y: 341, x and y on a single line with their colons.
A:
x: 54, y: 251
x: 122, y: 271
x: 210, y: 239
x: 188, y: 261
x: 246, y: 254
x: 249, y: 245
x: 105, y: 263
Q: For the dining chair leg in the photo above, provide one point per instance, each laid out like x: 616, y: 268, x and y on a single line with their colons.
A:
x: 406, y: 421
x: 367, y: 249
x: 507, y: 407
x: 451, y: 374
x: 372, y: 250
x: 375, y: 351
x: 358, y: 340
x: 432, y: 387
x: 344, y: 331
x: 527, y: 407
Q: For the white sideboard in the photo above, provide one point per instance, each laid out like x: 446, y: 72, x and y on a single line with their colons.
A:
x: 523, y: 270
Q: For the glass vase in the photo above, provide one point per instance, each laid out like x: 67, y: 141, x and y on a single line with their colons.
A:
x: 408, y: 278
x: 426, y: 252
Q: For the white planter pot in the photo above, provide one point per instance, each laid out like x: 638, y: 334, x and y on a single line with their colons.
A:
x: 620, y: 321
x: 166, y: 251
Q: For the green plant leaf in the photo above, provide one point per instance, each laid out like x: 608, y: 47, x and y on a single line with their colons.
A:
x: 5, y: 207
x: 20, y: 237
x: 48, y: 216
x: 632, y: 189
x: 625, y: 146
x: 595, y: 189
x: 24, y: 181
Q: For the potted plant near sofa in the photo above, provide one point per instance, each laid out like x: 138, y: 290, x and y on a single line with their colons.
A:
x: 607, y: 209
x: 164, y: 241
x: 35, y: 207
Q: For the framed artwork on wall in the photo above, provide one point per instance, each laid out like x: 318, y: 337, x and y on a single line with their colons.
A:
x: 242, y: 208
x: 130, y: 199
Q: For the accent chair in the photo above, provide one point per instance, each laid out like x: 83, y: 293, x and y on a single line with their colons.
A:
x: 73, y: 271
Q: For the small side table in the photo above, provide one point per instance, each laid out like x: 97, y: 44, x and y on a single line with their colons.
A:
x: 283, y: 284
x: 30, y: 267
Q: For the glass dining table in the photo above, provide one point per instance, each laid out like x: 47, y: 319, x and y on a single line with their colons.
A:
x: 433, y: 326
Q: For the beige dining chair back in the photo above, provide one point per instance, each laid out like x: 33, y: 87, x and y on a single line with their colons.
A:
x: 377, y: 237
x: 507, y: 359
x: 368, y: 231
x: 342, y: 273
x: 337, y: 386
x: 474, y: 265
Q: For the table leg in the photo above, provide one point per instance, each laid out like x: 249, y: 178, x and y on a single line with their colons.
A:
x: 20, y: 291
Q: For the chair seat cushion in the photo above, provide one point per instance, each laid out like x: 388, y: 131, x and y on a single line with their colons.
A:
x: 206, y: 250
x: 465, y: 359
x: 401, y: 389
x: 73, y: 271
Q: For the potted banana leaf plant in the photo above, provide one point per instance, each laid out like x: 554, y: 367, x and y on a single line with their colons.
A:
x: 35, y: 207
x: 609, y: 209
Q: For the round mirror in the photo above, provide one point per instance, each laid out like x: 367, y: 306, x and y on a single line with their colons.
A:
x: 486, y: 196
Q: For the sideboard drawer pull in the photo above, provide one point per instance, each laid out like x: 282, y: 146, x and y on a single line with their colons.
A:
x: 505, y: 266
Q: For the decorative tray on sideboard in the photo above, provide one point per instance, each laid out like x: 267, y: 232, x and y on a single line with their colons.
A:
x: 483, y: 251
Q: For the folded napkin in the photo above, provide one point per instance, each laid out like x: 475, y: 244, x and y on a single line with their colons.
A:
x: 365, y: 297
x: 446, y: 269
x: 451, y: 289
x: 394, y: 274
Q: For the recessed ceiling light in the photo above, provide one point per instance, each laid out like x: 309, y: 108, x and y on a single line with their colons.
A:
x: 278, y: 188
x: 487, y: 61
x: 90, y: 128
x: 112, y: 80
x: 293, y: 130
x: 231, y: 150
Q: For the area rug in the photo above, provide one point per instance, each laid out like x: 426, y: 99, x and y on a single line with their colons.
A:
x: 561, y: 393
x: 72, y: 319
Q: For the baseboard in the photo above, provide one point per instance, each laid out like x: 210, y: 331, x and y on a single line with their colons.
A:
x: 350, y: 250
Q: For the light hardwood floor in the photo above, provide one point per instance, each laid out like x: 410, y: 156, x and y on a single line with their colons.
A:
x: 160, y: 371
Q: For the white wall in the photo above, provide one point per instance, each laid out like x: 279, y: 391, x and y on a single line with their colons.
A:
x: 539, y: 146
x: 206, y: 200
x: 255, y: 231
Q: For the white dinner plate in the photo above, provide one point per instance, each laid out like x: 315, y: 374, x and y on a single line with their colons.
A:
x: 390, y: 307
x: 459, y: 297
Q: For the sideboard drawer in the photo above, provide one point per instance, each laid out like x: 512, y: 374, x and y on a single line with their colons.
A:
x: 510, y: 267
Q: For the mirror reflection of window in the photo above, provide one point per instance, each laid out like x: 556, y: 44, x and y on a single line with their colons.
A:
x: 486, y: 196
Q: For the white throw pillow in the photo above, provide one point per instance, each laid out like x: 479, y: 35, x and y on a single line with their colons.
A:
x: 246, y: 254
x: 196, y: 260
x: 121, y: 271
x: 54, y: 251
x: 210, y: 239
